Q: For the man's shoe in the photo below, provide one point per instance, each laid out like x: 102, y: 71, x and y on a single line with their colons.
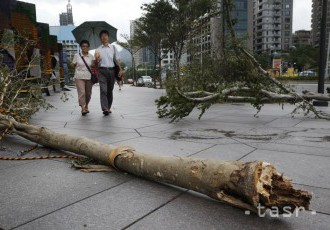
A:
x: 106, y: 113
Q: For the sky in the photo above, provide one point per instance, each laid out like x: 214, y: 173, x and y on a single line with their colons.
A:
x: 118, y: 13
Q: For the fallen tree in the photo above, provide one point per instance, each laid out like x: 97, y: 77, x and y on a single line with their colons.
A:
x: 243, y: 185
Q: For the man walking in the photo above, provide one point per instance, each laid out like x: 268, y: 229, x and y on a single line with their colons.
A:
x: 106, y: 56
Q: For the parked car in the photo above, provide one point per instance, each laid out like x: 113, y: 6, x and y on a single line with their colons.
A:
x: 144, y: 81
x: 307, y: 73
x: 130, y: 81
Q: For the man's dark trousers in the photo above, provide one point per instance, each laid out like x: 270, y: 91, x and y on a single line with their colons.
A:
x: 107, y: 82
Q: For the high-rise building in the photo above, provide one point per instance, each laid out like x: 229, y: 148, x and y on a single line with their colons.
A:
x: 301, y: 38
x: 137, y: 53
x: 210, y: 36
x: 66, y: 18
x: 142, y: 56
x: 272, y: 25
x: 243, y: 13
x: 66, y: 38
x: 316, y: 22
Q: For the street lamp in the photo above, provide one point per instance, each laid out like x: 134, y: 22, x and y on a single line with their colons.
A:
x: 271, y: 54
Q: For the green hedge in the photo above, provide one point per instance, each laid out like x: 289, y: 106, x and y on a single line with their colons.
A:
x: 315, y: 78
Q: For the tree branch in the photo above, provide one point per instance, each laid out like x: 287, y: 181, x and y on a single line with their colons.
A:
x: 268, y: 95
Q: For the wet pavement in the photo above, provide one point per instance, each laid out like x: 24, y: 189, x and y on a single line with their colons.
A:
x: 50, y: 194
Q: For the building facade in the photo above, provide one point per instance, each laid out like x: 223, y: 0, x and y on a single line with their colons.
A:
x: 143, y: 56
x: 210, y: 34
x: 316, y: 22
x: 66, y: 18
x: 137, y: 53
x: 66, y: 38
x: 243, y: 13
x: 167, y: 59
x: 272, y: 25
x: 301, y: 38
x: 19, y: 19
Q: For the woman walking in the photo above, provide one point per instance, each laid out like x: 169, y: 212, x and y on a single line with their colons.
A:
x: 83, y: 62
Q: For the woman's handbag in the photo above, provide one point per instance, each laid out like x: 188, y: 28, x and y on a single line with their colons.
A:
x: 94, y: 77
x: 116, y: 68
x: 117, y: 77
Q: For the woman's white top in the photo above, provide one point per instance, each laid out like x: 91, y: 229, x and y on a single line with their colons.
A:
x: 81, y: 71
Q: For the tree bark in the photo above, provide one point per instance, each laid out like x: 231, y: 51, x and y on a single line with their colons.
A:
x: 244, y: 185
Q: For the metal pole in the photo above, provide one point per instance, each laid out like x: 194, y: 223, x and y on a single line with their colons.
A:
x: 328, y: 53
x: 145, y: 66
x: 323, y: 58
x: 323, y: 53
x: 201, y: 47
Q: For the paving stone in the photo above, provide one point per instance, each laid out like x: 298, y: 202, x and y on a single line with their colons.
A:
x: 320, y: 198
x: 112, y: 209
x: 314, y: 123
x: 120, y: 122
x: 80, y: 132
x: 206, y: 136
x: 35, y: 189
x: 191, y: 211
x: 116, y: 137
x: 240, y: 119
x: 292, y: 148
x: 100, y: 128
x: 230, y: 152
x: 303, y: 169
x: 11, y: 146
x: 49, y: 194
x: 284, y: 122
x: 307, y: 138
x: 225, y: 125
x: 162, y: 127
x: 47, y: 124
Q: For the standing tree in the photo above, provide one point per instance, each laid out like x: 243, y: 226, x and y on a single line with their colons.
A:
x: 305, y: 57
x: 264, y: 59
x: 152, y: 28
x: 130, y: 46
x: 183, y: 17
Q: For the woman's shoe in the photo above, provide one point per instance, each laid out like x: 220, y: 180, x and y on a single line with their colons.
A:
x: 86, y: 109
x: 83, y: 110
x: 106, y: 113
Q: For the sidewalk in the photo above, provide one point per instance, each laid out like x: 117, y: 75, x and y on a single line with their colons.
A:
x: 49, y: 194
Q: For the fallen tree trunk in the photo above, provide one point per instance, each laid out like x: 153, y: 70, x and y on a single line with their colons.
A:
x: 244, y: 185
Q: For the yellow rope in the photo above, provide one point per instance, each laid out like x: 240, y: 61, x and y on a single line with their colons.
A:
x: 17, y: 117
x: 117, y: 152
x: 36, y: 158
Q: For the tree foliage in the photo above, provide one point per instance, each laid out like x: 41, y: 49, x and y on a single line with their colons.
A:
x: 166, y: 24
x: 151, y: 29
x: 264, y: 59
x: 304, y: 57
x: 235, y: 76
x: 20, y: 94
x: 184, y: 15
x: 132, y: 48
